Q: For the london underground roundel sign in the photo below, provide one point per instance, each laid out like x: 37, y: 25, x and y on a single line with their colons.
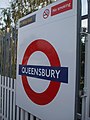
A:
x: 47, y: 96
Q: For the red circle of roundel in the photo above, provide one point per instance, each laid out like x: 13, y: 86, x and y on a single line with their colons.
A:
x: 49, y: 94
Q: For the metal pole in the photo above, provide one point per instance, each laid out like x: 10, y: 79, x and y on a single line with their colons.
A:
x: 85, y: 90
x: 87, y: 76
x: 88, y: 16
x: 84, y: 96
x: 78, y: 58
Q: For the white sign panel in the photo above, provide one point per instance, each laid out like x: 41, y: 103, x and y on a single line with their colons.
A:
x: 46, y: 61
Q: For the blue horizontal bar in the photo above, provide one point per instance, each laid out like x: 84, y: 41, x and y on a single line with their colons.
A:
x: 58, y: 74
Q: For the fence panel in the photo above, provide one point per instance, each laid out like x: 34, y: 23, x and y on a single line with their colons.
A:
x: 8, y: 109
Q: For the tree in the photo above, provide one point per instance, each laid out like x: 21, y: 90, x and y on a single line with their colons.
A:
x: 10, y: 17
x: 6, y: 17
x: 20, y: 8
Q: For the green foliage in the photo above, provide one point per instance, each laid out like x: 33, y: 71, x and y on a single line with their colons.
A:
x: 8, y: 42
x: 7, y: 17
x: 21, y: 8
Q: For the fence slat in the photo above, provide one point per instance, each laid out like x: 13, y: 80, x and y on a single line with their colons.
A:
x: 37, y: 119
x: 2, y: 96
x: 31, y: 117
x: 11, y: 102
x: 22, y: 114
x: 17, y: 114
x: 14, y: 102
x: 5, y: 98
x: 26, y: 115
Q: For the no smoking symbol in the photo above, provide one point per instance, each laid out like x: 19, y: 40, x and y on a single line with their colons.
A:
x: 46, y: 13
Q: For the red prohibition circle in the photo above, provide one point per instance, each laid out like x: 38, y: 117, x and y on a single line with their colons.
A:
x: 49, y: 94
x: 46, y: 13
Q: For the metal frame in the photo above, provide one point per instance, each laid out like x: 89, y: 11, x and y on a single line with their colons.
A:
x: 88, y: 16
x: 84, y: 17
x: 78, y: 57
x: 85, y: 115
x: 88, y: 24
x: 85, y: 96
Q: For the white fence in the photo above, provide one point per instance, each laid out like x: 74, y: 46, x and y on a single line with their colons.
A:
x: 8, y: 109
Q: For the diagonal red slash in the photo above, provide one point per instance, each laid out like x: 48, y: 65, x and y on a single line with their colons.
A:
x: 46, y: 13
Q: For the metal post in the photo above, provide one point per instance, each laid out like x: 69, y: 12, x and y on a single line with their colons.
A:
x: 84, y: 96
x: 86, y: 90
x: 78, y: 58
x: 85, y: 102
x: 87, y: 77
x: 88, y: 16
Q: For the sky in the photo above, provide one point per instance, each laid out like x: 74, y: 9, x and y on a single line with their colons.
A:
x: 4, y: 3
x: 84, y: 7
x: 84, y: 11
